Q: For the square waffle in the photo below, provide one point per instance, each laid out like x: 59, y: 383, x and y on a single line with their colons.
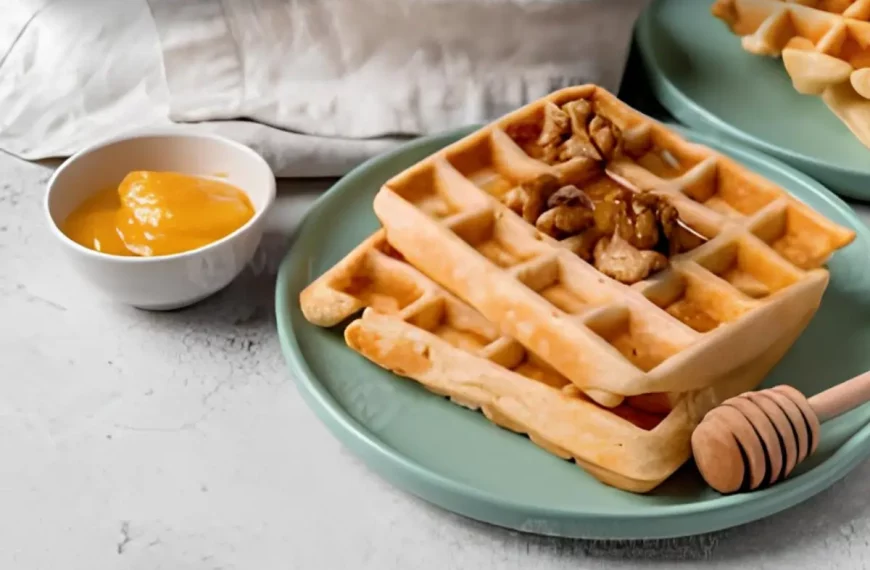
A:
x: 480, y: 299
x: 824, y: 45
x: 413, y: 327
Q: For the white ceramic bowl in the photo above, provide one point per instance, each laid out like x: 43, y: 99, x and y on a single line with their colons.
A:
x: 172, y: 281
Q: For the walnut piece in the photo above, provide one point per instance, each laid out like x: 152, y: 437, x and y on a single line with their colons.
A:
x: 563, y: 221
x: 538, y: 191
x: 555, y: 130
x: 568, y: 212
x: 529, y: 199
x: 570, y: 195
x: 640, y: 223
x: 556, y: 124
x: 606, y: 136
x: 618, y: 259
x: 579, y: 111
x: 608, y: 211
x: 644, y: 231
x: 579, y: 144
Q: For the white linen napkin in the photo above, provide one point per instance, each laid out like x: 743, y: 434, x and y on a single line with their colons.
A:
x: 316, y: 86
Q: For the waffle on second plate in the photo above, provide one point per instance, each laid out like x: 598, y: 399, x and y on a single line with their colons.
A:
x: 824, y: 46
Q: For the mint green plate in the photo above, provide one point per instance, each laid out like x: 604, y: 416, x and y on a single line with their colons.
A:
x: 700, y: 74
x: 458, y: 460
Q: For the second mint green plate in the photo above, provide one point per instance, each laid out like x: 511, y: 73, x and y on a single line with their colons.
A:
x: 700, y: 74
x: 456, y: 459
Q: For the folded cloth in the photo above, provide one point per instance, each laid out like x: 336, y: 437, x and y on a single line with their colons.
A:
x: 315, y: 86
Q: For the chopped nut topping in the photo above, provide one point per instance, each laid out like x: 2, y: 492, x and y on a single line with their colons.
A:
x: 627, y: 235
x: 530, y: 198
x: 579, y: 111
x: 572, y: 131
x: 564, y: 221
x: 576, y: 147
x: 570, y: 196
x: 556, y: 124
x: 579, y: 144
x: 616, y: 258
x: 645, y: 234
x: 606, y: 136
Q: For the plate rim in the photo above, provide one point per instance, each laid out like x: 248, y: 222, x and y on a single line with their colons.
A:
x: 405, y: 473
x: 683, y: 107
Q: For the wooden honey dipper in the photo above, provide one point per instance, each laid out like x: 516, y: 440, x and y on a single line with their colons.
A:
x: 757, y: 438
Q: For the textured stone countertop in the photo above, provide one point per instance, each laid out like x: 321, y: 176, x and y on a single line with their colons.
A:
x: 177, y: 441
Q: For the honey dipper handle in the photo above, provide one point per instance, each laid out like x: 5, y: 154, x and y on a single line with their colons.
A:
x: 842, y: 397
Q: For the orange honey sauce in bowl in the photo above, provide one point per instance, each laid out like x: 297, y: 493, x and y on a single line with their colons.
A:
x: 158, y: 213
x: 146, y: 221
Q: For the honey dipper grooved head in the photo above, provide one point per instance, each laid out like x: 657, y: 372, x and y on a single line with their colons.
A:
x: 718, y: 456
x: 755, y: 439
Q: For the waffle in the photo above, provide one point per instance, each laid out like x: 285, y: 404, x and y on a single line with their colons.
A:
x: 551, y: 346
x: 758, y: 271
x: 824, y: 45
x: 415, y: 328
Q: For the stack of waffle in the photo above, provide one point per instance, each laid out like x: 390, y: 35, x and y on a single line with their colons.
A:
x: 824, y: 45
x: 582, y: 275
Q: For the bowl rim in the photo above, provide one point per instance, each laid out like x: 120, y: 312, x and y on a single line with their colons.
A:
x: 107, y: 142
